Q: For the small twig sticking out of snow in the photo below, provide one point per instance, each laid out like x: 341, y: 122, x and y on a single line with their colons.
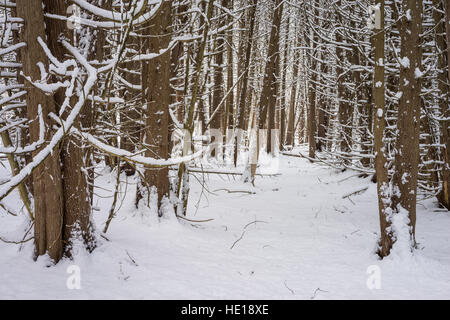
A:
x: 131, y: 258
x: 355, y: 192
x: 240, y: 238
x: 339, y: 210
x: 317, y: 290
x: 15, y: 242
x: 23, y: 238
x: 243, y: 232
x: 190, y: 220
x: 8, y: 210
x: 104, y: 237
x: 235, y: 191
x: 254, y: 222
x: 292, y: 291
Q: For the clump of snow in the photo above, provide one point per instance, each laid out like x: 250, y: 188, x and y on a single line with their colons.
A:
x: 402, y: 234
x: 405, y: 62
x: 379, y: 112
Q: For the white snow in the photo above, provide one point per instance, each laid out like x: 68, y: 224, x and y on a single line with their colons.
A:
x: 418, y: 73
x: 408, y: 15
x: 379, y: 112
x: 405, y: 62
x: 306, y: 236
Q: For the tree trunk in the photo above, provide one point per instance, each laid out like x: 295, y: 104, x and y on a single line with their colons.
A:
x: 344, y: 112
x: 218, y: 93
x: 157, y: 113
x: 408, y: 124
x: 270, y: 86
x: 229, y: 107
x: 47, y: 179
x: 291, y: 117
x: 240, y: 125
x: 444, y: 195
x: 385, y: 242
x: 312, y: 88
x: 77, y: 205
x: 283, y: 88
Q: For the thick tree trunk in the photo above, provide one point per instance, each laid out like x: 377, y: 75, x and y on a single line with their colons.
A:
x: 444, y: 195
x: 47, y: 179
x: 77, y: 205
x: 158, y: 99
x: 408, y: 123
x: 379, y: 127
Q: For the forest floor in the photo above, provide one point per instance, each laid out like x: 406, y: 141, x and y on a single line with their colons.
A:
x: 292, y: 236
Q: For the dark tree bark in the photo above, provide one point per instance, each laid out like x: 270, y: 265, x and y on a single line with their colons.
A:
x: 385, y: 242
x: 240, y: 123
x: 444, y: 195
x: 47, y: 178
x: 283, y: 89
x: 345, y: 115
x: 408, y: 124
x: 218, y: 93
x: 158, y: 99
x: 270, y: 86
x: 229, y: 106
x: 290, y: 135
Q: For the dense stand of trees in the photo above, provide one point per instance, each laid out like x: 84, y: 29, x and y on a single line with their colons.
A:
x: 142, y: 86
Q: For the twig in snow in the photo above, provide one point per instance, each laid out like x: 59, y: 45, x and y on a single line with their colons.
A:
x: 207, y: 220
x: 16, y: 242
x: 254, y: 222
x: 9, y: 211
x: 240, y: 238
x: 131, y: 258
x: 292, y: 291
x: 339, y: 210
x: 23, y: 238
x: 112, y: 211
x: 235, y: 191
x: 355, y: 192
x: 314, y: 295
x: 243, y: 232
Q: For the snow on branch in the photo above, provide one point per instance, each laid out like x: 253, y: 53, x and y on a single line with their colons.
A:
x: 56, y: 139
x: 134, y: 157
x: 33, y: 146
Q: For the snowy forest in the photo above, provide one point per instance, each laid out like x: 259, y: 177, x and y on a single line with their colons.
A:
x: 217, y: 149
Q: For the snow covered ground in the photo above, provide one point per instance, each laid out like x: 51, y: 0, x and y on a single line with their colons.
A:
x: 299, y: 239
